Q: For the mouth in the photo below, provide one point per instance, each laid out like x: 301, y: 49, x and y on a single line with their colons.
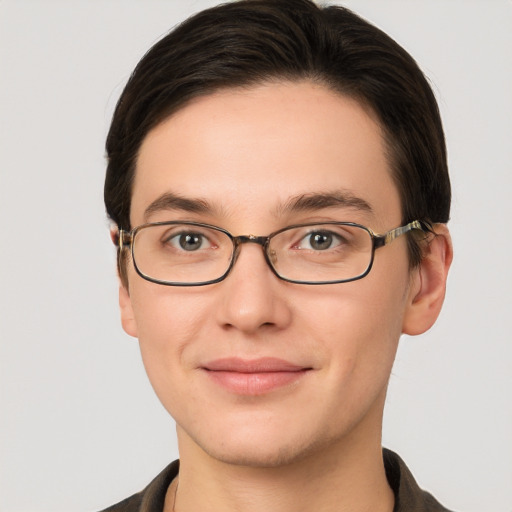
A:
x: 254, y: 376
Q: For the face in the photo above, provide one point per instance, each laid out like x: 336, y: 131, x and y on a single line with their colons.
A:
x: 256, y: 370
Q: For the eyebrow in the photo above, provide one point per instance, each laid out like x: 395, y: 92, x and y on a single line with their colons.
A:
x: 322, y: 200
x: 170, y: 201
x: 301, y: 203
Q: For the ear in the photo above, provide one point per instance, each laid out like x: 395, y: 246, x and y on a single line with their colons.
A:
x: 127, y: 316
x: 428, y: 283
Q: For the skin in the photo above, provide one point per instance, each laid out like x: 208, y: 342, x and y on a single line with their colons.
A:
x: 314, y: 444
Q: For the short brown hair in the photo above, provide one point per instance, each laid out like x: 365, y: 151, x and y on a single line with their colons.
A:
x: 253, y: 41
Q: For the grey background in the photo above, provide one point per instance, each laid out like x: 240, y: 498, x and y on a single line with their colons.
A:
x: 80, y: 427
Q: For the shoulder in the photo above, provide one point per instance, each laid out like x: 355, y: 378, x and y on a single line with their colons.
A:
x: 131, y: 504
x: 408, y: 495
x: 152, y: 498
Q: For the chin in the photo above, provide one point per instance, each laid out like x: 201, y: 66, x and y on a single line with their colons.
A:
x: 256, y: 456
x: 265, y: 449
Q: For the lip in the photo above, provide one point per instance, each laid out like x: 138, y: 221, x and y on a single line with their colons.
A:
x: 253, y: 376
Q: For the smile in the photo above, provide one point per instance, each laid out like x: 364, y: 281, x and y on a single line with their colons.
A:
x: 253, y: 377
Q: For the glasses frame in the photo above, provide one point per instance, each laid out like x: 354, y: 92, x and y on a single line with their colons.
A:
x: 125, y: 241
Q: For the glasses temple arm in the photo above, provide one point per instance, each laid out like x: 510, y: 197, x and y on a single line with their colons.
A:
x: 387, y: 238
x: 121, y: 239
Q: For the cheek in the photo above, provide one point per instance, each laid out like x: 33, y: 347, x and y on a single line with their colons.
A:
x: 357, y: 325
x: 166, y: 316
x: 168, y: 322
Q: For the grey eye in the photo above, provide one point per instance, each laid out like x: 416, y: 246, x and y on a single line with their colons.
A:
x: 320, y: 241
x: 191, y: 241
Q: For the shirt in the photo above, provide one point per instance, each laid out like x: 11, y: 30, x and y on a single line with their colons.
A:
x: 408, y: 495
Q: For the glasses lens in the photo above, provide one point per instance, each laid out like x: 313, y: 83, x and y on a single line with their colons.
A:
x: 182, y: 253
x: 321, y: 252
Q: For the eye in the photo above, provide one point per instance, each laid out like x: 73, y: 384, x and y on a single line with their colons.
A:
x: 320, y: 241
x: 188, y: 241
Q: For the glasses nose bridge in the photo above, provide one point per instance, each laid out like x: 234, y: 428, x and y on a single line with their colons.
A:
x: 251, y: 239
x: 262, y: 241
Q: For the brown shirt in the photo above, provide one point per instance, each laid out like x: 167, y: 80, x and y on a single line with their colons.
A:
x: 408, y: 496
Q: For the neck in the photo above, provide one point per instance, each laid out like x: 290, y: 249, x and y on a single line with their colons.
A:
x: 342, y: 477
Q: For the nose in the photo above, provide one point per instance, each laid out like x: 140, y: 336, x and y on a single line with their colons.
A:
x: 253, y: 298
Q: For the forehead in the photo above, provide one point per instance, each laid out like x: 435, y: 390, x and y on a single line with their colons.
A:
x: 248, y: 152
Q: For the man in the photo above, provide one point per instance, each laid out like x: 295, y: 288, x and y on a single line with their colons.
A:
x: 277, y: 175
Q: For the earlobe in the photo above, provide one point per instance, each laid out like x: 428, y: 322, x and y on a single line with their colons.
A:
x: 127, y: 316
x: 429, y: 284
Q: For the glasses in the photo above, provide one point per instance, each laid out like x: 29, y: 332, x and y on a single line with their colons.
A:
x: 195, y: 254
